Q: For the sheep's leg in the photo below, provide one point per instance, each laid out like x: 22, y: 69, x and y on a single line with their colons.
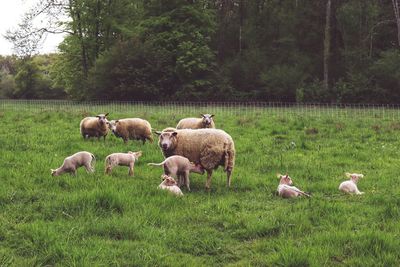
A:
x: 108, y: 169
x: 186, y: 180
x: 208, y: 183
x: 88, y: 168
x: 73, y: 172
x: 144, y: 140
x: 125, y: 140
x: 131, y: 169
x: 228, y: 178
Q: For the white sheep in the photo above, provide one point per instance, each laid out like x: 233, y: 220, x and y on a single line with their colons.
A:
x: 350, y: 186
x: 170, y: 184
x: 94, y: 126
x: 206, y: 121
x: 285, y: 189
x: 122, y: 159
x: 179, y: 167
x: 72, y: 163
x: 208, y: 147
x: 131, y: 129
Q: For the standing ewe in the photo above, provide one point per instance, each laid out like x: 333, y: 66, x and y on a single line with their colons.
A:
x: 132, y: 129
x: 351, y: 185
x: 285, y: 189
x: 121, y: 159
x: 169, y: 184
x: 206, y: 121
x: 94, y: 126
x: 180, y: 167
x: 209, y: 147
x: 75, y: 161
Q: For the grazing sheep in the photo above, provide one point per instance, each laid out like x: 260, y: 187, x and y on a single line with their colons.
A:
x: 75, y: 161
x: 285, y: 189
x: 121, y: 159
x: 94, y: 126
x: 351, y: 185
x: 180, y: 167
x: 209, y: 147
x: 131, y: 129
x: 170, y: 184
x: 206, y: 121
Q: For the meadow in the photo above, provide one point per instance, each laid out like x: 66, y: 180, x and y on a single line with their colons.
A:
x: 117, y: 220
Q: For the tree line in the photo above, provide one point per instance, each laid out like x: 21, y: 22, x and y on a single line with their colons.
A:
x: 244, y: 50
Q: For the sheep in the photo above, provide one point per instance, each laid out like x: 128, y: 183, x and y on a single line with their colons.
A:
x: 75, y: 161
x: 209, y: 147
x: 121, y: 159
x: 350, y: 186
x: 131, y: 129
x: 179, y: 167
x: 285, y: 189
x: 170, y: 184
x: 94, y: 126
x: 206, y: 121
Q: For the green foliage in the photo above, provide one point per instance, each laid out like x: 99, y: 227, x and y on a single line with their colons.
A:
x: 96, y: 219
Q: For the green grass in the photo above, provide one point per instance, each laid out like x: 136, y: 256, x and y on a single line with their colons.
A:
x: 117, y: 220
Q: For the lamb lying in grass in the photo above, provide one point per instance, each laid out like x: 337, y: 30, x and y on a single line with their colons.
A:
x: 72, y: 163
x: 122, y: 159
x: 350, y: 186
x: 179, y: 167
x: 170, y: 184
x: 285, y: 189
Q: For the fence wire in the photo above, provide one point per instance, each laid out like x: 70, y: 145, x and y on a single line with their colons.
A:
x: 195, y: 108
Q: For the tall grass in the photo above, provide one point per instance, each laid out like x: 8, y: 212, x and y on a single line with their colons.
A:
x: 117, y: 220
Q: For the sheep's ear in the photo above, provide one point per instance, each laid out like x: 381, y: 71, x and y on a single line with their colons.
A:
x: 174, y: 133
x: 116, y: 121
x: 278, y: 175
x: 97, y: 116
x: 212, y: 115
x: 157, y: 132
x: 106, y: 114
x: 348, y: 175
x: 202, y: 115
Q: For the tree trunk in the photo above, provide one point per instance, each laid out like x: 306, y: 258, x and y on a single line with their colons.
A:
x: 397, y: 17
x: 327, y: 45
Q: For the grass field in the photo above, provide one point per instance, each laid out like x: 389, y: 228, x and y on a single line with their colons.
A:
x: 117, y: 220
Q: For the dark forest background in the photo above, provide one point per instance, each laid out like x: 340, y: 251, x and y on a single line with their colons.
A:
x: 334, y: 51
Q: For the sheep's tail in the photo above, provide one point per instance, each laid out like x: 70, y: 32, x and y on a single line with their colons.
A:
x: 156, y: 164
x: 229, y: 156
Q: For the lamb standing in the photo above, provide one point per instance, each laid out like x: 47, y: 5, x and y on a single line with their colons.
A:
x: 132, y: 129
x: 121, y: 159
x: 208, y: 147
x: 180, y: 167
x: 75, y: 161
x: 94, y: 126
x: 206, y: 121
x: 285, y: 189
x: 170, y: 184
x: 351, y: 185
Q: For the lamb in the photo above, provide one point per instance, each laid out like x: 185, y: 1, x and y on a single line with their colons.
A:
x: 75, y: 161
x: 94, y: 126
x: 208, y: 147
x: 180, y: 167
x: 285, y: 189
x: 132, y: 129
x: 121, y: 159
x: 350, y: 186
x: 170, y: 184
x: 206, y: 121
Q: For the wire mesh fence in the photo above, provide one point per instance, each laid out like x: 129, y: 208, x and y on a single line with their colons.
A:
x: 185, y: 108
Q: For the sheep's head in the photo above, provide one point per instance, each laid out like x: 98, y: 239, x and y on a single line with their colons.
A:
x: 167, y: 140
x: 354, y: 176
x: 53, y: 172
x: 102, y: 118
x: 136, y: 154
x: 207, y: 119
x: 197, y: 168
x: 112, y: 125
x: 285, y: 179
x: 168, y: 180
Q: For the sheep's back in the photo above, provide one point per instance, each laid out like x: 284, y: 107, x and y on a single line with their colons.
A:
x: 189, y: 123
